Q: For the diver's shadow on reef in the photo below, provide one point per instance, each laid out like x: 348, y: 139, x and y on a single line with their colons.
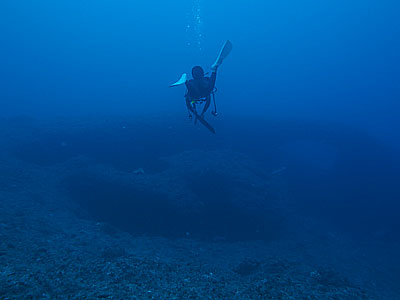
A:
x: 144, y: 212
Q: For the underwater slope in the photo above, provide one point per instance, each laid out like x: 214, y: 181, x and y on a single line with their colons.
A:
x: 201, y: 224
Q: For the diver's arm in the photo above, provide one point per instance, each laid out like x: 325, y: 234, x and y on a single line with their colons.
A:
x: 213, y: 78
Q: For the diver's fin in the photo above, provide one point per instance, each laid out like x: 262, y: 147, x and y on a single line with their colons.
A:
x: 225, y: 50
x: 204, y: 122
x: 182, y: 80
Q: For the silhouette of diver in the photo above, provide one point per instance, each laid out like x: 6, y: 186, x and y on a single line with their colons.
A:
x: 199, y: 89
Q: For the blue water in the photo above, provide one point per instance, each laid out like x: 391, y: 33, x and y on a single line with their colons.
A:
x: 308, y: 105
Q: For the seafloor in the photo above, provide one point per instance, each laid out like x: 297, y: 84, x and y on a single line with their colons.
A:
x: 190, y: 224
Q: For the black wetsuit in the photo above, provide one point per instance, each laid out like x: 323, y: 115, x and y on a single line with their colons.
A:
x: 198, y: 89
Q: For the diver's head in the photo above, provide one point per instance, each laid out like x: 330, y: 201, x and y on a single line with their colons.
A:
x: 197, y: 72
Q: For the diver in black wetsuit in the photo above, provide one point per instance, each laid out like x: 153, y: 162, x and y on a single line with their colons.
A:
x: 200, y: 88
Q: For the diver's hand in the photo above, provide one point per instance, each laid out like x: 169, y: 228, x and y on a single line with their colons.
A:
x: 214, y: 67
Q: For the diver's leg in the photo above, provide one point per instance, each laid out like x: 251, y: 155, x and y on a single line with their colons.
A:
x: 189, y: 105
x: 206, y: 105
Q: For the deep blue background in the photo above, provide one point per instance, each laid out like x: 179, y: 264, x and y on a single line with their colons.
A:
x: 334, y: 60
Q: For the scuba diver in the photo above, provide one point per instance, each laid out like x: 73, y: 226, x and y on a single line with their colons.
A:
x: 200, y: 89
